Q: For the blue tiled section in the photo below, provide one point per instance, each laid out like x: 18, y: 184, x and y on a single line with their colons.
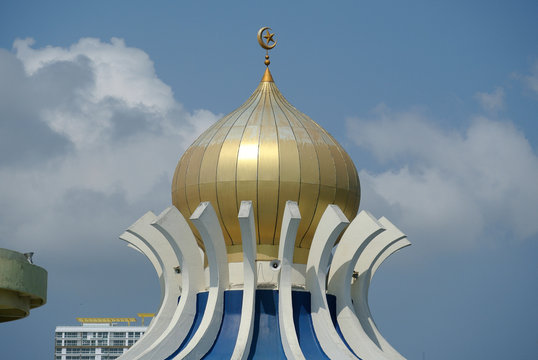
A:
x: 201, y: 301
x: 266, y: 342
x: 331, y: 301
x: 303, y: 326
x: 224, y: 345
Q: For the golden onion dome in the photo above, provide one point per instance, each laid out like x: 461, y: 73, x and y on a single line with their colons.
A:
x: 268, y: 152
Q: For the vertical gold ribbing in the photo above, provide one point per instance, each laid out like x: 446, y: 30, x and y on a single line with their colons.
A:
x: 268, y: 152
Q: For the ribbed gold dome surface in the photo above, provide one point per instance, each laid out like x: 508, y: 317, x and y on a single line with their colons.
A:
x: 268, y: 152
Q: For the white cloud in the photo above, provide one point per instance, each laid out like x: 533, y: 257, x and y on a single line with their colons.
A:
x: 531, y: 80
x: 122, y: 133
x: 121, y: 72
x: 491, y: 101
x: 447, y: 188
x: 123, y: 79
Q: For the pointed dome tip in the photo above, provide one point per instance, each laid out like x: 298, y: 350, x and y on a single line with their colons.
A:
x: 267, y: 77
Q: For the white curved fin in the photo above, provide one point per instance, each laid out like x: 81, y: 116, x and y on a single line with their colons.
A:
x: 288, y: 334
x: 332, y: 222
x: 177, y: 233
x: 378, y: 250
x: 248, y: 239
x: 206, y: 222
x: 150, y: 242
x: 359, y: 234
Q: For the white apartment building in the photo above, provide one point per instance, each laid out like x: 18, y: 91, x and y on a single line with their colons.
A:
x: 97, y: 338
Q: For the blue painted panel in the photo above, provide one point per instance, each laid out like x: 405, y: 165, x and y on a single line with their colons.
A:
x: 201, y: 302
x: 224, y: 345
x: 266, y: 342
x: 331, y: 301
x: 303, y: 326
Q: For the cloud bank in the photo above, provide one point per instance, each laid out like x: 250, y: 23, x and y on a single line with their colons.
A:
x: 90, y: 138
x: 447, y: 188
x: 531, y: 80
x: 491, y: 102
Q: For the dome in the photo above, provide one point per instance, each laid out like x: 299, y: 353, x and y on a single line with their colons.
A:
x: 268, y: 152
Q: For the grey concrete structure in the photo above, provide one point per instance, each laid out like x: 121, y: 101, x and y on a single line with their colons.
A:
x: 23, y: 285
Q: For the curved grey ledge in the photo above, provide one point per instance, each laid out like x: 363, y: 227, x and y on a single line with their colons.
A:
x: 206, y: 222
x: 288, y: 334
x: 248, y: 239
x: 177, y: 233
x: 378, y: 250
x: 332, y: 222
x: 362, y: 230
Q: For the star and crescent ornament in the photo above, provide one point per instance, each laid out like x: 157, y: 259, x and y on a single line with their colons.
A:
x: 265, y: 33
x: 269, y: 37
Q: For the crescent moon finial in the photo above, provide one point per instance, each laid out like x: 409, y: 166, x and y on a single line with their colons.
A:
x: 265, y: 33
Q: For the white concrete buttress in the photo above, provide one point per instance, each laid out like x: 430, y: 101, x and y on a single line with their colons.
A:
x: 206, y: 222
x: 167, y: 241
x: 375, y: 253
x: 248, y: 239
x: 288, y: 334
x: 141, y: 231
x: 362, y: 230
x: 175, y: 229
x: 332, y: 222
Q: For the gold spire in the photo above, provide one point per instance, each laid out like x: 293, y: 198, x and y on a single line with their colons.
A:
x: 267, y: 46
x: 267, y: 77
x: 269, y: 37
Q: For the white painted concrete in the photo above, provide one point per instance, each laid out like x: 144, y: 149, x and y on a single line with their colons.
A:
x: 154, y: 239
x: 138, y: 245
x: 248, y: 239
x: 288, y: 335
x: 267, y: 277
x: 332, y: 222
x: 206, y: 222
x: 152, y: 243
x: 175, y: 229
x: 130, y: 237
x: 362, y: 230
x: 403, y: 242
x: 167, y: 241
x: 378, y: 250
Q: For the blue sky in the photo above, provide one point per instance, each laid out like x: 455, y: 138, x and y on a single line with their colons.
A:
x: 436, y: 102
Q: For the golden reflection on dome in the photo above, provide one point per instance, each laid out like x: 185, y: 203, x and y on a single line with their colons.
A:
x: 268, y: 152
x: 248, y: 152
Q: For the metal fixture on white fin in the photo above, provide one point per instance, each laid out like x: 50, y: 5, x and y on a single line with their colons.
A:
x: 378, y: 250
x: 332, y: 222
x: 206, y: 222
x: 248, y: 239
x: 362, y: 230
x: 288, y: 334
x: 175, y: 229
